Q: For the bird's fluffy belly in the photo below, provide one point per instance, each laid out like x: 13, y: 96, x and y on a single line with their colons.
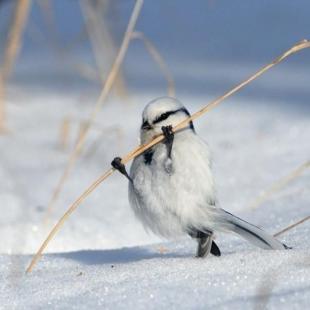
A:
x: 170, y: 203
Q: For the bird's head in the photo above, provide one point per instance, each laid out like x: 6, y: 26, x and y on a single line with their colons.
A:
x: 163, y: 111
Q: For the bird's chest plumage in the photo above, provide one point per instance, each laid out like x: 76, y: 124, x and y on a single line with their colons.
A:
x: 166, y: 194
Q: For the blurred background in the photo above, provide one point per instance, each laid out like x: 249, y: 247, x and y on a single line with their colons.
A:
x: 68, y: 45
x: 55, y: 58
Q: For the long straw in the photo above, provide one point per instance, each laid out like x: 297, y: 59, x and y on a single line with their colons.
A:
x: 292, y: 226
x: 140, y: 149
x: 18, y: 23
x: 103, y: 96
x: 279, y: 185
x: 150, y: 47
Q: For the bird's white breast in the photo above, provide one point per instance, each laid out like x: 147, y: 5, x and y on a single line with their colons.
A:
x: 170, y: 202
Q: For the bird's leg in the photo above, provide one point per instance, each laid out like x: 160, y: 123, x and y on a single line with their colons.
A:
x: 118, y: 165
x: 169, y: 137
x: 206, y: 244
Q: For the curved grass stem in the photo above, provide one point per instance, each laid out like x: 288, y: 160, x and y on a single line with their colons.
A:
x: 140, y: 149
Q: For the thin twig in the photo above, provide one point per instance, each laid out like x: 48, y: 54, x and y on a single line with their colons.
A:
x: 292, y: 226
x: 140, y: 149
x: 279, y: 185
x: 94, y: 146
x: 66, y: 215
x: 163, y: 67
x: 297, y: 47
x: 101, y: 42
x: 82, y: 131
x: 12, y: 48
x: 103, y: 96
x: 150, y: 47
x: 64, y: 132
x: 85, y: 70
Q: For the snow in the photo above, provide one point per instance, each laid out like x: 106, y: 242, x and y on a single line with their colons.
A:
x: 102, y: 257
x: 140, y: 278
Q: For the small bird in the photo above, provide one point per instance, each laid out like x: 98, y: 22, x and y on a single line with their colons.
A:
x: 171, y: 186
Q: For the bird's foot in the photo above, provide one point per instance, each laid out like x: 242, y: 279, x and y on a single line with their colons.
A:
x: 169, y: 137
x: 168, y: 133
x: 118, y: 165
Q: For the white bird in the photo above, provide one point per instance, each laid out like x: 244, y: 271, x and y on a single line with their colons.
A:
x: 171, y: 186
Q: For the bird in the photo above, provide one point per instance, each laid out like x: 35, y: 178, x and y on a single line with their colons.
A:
x: 171, y: 186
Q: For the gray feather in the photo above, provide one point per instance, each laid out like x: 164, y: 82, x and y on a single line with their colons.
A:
x: 250, y: 232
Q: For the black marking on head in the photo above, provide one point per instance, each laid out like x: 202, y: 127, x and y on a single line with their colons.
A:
x: 148, y: 156
x: 165, y: 115
x: 191, y: 125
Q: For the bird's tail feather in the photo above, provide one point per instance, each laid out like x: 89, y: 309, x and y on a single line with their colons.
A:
x: 250, y: 232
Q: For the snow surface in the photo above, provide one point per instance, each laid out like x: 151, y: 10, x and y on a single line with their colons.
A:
x: 102, y: 257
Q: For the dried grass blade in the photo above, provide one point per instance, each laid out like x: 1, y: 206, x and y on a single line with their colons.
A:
x: 152, y: 50
x: 72, y: 208
x: 11, y: 51
x: 292, y: 226
x: 103, y: 96
x: 139, y: 150
x: 279, y: 185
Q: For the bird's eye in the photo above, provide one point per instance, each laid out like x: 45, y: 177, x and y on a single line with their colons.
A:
x: 146, y: 125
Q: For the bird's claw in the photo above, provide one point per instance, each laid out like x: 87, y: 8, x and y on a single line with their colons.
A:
x: 169, y: 137
x: 168, y: 133
x: 118, y: 165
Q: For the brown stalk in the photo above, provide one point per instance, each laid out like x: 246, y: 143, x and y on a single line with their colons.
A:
x: 140, y: 149
x: 64, y: 132
x: 82, y: 131
x: 101, y: 41
x: 103, y: 96
x: 150, y: 47
x: 292, y: 226
x: 12, y: 48
x: 94, y: 146
x: 84, y: 70
x: 163, y: 67
x: 280, y: 184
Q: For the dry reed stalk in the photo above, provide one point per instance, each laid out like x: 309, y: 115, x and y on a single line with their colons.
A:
x: 48, y: 16
x: 3, y: 128
x: 82, y: 131
x: 12, y: 48
x: 94, y: 146
x: 101, y: 42
x: 279, y: 185
x: 103, y: 96
x: 150, y: 47
x: 142, y: 148
x: 292, y: 226
x: 84, y: 70
x: 64, y: 132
